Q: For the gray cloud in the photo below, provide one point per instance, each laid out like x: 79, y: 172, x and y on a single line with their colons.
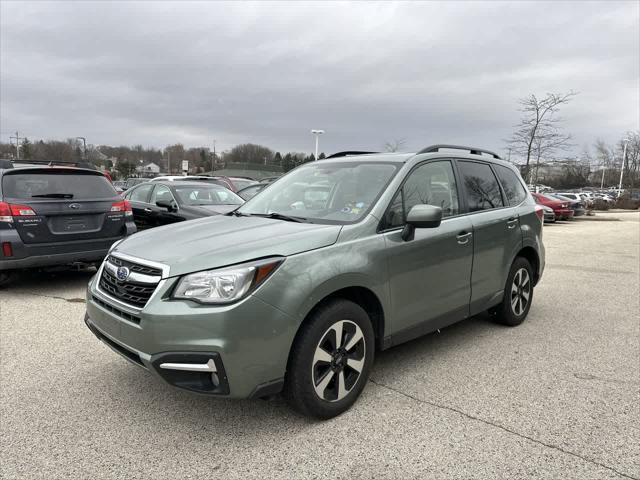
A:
x: 161, y: 72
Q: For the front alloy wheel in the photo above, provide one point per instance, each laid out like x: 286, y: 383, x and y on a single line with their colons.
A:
x: 338, y: 360
x: 330, y: 359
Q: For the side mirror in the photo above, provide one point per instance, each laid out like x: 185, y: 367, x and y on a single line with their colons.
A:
x: 166, y: 204
x: 421, y: 216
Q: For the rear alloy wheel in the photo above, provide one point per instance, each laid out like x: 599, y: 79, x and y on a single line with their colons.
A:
x: 330, y: 360
x: 518, y: 294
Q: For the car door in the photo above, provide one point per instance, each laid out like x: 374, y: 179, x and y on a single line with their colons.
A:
x: 139, y: 198
x: 429, y: 276
x: 496, y: 233
x: 162, y: 215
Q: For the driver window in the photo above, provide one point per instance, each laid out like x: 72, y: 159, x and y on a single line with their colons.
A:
x: 161, y: 193
x: 431, y: 184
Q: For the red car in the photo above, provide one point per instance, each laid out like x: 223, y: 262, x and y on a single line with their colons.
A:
x: 560, y: 208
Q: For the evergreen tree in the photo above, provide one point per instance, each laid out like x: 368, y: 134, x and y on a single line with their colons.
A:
x: 321, y: 156
x: 277, y: 159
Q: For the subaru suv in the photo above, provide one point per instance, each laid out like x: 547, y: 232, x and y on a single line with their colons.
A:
x: 297, y: 289
x: 53, y: 216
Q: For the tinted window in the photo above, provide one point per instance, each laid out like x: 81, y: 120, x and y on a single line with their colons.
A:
x: 511, y: 185
x: 57, y: 185
x: 431, y: 184
x: 206, y: 194
x: 141, y: 193
x: 480, y: 185
x: 161, y: 194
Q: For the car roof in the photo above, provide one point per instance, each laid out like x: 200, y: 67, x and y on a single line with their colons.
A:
x: 170, y: 183
x: 45, y: 169
x: 405, y: 157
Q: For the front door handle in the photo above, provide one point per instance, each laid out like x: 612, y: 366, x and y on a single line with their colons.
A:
x: 512, y: 222
x: 463, y: 237
x: 148, y: 210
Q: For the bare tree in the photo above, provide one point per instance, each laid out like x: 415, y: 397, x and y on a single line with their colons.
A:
x: 539, y: 134
x: 394, y: 145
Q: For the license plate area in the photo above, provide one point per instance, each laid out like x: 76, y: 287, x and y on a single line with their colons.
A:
x: 75, y: 223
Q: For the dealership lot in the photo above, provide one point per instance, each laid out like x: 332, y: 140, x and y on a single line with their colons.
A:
x: 555, y: 397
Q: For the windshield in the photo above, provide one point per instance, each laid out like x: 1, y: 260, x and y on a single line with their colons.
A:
x: 323, y: 192
x: 206, y: 194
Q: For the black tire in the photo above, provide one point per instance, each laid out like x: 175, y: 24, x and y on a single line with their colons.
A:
x: 306, y: 374
x: 5, y: 277
x: 513, y: 311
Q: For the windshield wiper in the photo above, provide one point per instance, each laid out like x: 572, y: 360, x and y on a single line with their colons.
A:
x: 53, y: 195
x: 277, y: 216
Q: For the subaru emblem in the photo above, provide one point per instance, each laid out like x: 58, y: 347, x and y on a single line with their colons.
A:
x: 122, y: 273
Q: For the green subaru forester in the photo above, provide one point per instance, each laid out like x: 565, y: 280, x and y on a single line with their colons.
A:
x: 298, y: 288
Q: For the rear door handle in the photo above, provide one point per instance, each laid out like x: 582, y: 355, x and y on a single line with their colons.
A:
x: 512, y: 222
x: 463, y: 237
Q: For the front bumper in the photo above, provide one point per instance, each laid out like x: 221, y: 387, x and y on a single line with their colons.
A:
x: 249, y: 341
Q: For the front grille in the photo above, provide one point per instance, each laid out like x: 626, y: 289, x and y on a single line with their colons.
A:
x: 132, y: 291
x: 134, y: 267
x: 117, y: 311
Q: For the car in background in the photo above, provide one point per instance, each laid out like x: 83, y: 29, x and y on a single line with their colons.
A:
x: 577, y: 206
x: 133, y: 181
x: 242, y: 182
x: 270, y: 179
x: 120, y: 186
x: 222, y: 181
x: 251, y: 191
x: 163, y: 202
x: 52, y: 216
x: 549, y: 215
x: 560, y: 209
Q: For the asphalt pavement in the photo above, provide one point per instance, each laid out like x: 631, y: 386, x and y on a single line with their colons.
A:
x: 557, y: 397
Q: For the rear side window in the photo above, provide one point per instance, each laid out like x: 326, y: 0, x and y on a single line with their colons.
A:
x: 480, y: 185
x: 511, y: 185
x: 66, y: 185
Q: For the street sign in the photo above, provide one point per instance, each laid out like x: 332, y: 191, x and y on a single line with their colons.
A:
x: 185, y: 166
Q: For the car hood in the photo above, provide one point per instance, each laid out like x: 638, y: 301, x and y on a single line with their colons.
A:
x: 221, y: 240
x: 206, y: 210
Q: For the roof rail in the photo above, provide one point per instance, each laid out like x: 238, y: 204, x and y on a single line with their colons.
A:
x: 348, y: 153
x: 471, y: 150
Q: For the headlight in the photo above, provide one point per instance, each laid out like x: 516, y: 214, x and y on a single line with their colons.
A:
x: 225, y: 285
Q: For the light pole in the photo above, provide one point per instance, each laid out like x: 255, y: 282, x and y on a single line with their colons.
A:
x: 624, y: 155
x: 317, y: 133
x: 84, y: 143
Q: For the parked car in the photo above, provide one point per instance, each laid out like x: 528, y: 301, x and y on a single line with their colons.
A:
x: 160, y: 203
x: 120, y: 186
x: 549, y: 215
x: 270, y: 179
x: 574, y: 200
x: 286, y: 295
x: 133, y: 181
x: 249, y: 192
x: 222, y: 181
x: 242, y: 182
x: 58, y: 216
x: 560, y: 208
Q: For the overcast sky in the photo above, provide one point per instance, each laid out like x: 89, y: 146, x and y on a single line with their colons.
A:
x: 155, y: 73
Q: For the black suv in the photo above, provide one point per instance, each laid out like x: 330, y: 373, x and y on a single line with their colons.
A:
x: 58, y: 216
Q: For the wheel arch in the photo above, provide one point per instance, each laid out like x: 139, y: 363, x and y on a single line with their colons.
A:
x: 531, y: 255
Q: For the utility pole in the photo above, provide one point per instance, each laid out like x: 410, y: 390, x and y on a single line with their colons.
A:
x: 624, y: 155
x: 213, y: 159
x: 18, y: 138
x: 84, y: 143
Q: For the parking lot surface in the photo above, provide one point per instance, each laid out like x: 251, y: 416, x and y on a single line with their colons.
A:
x: 557, y: 397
